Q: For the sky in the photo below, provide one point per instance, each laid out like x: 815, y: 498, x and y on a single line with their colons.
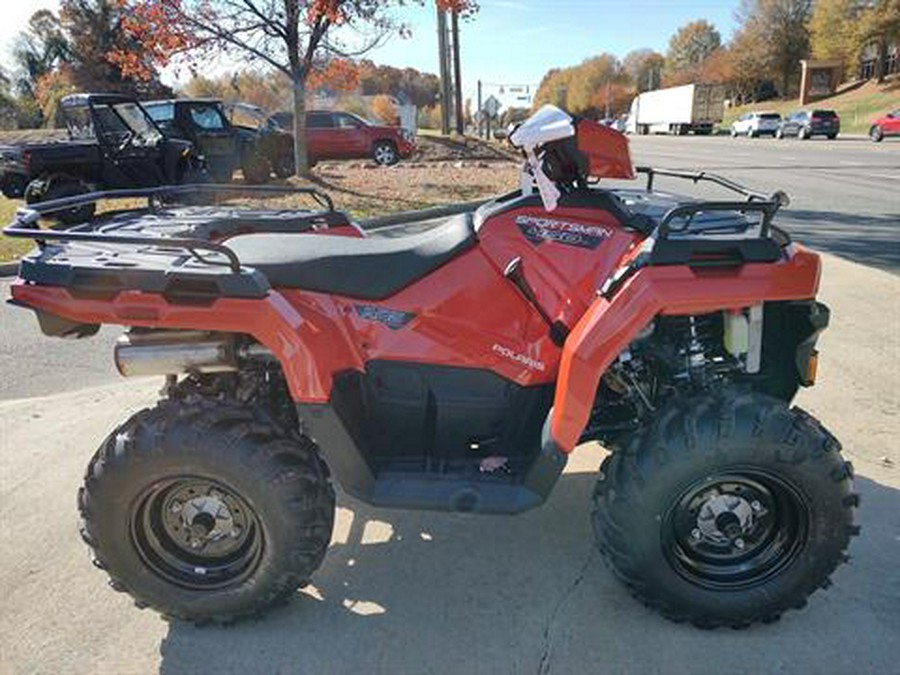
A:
x: 509, y: 41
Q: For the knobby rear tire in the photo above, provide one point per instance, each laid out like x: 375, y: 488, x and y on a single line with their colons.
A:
x: 276, y: 472
x: 687, y: 443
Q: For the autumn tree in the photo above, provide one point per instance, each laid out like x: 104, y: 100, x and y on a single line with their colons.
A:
x: 50, y: 89
x: 553, y: 88
x: 691, y: 45
x: 8, y: 104
x: 832, y: 29
x: 644, y: 67
x: 576, y: 88
x: 94, y: 29
x: 294, y: 37
x: 420, y: 89
x: 39, y: 49
x: 384, y: 109
x: 588, y: 78
x: 879, y: 25
x: 782, y: 27
x: 747, y: 57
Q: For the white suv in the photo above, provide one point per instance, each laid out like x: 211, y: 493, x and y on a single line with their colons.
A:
x: 755, y: 124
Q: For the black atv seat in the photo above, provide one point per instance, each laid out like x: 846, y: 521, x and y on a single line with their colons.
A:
x: 372, y: 267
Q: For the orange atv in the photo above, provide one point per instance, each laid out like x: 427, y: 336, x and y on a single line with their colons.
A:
x: 456, y: 369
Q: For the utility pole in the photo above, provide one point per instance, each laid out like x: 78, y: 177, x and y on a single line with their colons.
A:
x: 446, y: 96
x: 607, y: 99
x: 479, y: 113
x: 457, y: 74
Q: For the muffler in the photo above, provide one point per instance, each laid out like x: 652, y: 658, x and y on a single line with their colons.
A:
x: 175, y: 353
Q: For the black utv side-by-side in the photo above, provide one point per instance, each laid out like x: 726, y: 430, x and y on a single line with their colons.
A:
x: 112, y: 144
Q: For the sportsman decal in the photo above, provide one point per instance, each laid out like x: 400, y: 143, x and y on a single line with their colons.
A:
x: 538, y: 230
x: 392, y: 318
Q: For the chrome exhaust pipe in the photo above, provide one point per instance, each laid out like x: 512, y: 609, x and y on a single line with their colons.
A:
x: 175, y: 353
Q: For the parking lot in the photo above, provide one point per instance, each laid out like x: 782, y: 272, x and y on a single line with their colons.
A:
x: 408, y: 592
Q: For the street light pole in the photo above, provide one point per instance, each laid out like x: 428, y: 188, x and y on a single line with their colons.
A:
x: 446, y: 97
x: 457, y: 73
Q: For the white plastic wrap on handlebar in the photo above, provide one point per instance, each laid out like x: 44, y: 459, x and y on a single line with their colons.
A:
x: 546, y: 125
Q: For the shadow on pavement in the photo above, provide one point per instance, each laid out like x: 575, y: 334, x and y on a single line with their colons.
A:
x: 863, y: 238
x: 440, y: 593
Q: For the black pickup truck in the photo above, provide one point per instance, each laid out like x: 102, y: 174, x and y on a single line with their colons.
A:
x: 112, y: 143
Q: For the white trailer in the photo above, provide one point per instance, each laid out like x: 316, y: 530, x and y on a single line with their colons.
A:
x: 677, y: 110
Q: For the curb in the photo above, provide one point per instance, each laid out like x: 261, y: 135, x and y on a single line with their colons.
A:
x: 401, y: 218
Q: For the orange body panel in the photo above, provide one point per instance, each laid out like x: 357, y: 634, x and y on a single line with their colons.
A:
x: 609, y: 326
x: 466, y: 314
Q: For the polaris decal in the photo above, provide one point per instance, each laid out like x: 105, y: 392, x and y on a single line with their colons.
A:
x: 526, y: 361
x: 537, y: 230
x: 392, y: 318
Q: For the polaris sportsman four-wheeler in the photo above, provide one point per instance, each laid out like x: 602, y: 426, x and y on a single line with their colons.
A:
x: 456, y: 369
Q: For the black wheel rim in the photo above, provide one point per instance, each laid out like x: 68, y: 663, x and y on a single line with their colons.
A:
x: 196, y: 533
x: 735, y: 530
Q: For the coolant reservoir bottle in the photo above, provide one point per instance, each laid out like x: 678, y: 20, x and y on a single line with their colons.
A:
x: 737, y: 332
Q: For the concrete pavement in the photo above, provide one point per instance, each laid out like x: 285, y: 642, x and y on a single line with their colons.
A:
x: 406, y: 592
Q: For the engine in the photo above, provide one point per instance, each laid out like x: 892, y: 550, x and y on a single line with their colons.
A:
x: 674, y: 356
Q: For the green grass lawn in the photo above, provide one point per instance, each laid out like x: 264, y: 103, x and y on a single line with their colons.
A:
x: 11, y: 249
x: 857, y: 105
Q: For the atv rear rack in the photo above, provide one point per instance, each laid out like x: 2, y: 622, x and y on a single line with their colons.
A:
x: 25, y: 223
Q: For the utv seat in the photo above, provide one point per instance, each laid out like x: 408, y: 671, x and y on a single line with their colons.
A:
x: 372, y: 268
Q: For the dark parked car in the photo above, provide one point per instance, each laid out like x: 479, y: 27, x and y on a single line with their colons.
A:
x: 204, y: 123
x: 112, y: 143
x: 273, y: 142
x: 805, y: 124
x: 341, y: 135
x: 889, y: 125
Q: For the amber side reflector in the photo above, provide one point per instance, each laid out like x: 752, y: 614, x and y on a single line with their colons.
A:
x: 812, y: 367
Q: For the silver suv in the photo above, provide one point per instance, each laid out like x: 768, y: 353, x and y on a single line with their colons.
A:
x: 755, y: 124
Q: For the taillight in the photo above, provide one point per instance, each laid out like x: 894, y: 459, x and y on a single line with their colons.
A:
x: 26, y: 159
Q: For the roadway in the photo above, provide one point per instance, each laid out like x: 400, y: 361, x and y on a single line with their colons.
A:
x: 845, y: 194
x: 407, y: 592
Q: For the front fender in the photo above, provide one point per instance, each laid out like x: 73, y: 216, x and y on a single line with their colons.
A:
x: 609, y: 325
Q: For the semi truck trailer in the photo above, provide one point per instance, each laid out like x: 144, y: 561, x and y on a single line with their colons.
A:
x: 677, y: 110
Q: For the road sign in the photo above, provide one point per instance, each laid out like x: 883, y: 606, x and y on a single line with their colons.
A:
x: 491, y: 106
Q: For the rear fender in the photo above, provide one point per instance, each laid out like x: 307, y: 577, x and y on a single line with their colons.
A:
x: 609, y: 325
x: 305, y: 338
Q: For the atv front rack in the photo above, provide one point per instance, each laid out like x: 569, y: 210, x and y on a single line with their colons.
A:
x: 757, y: 202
